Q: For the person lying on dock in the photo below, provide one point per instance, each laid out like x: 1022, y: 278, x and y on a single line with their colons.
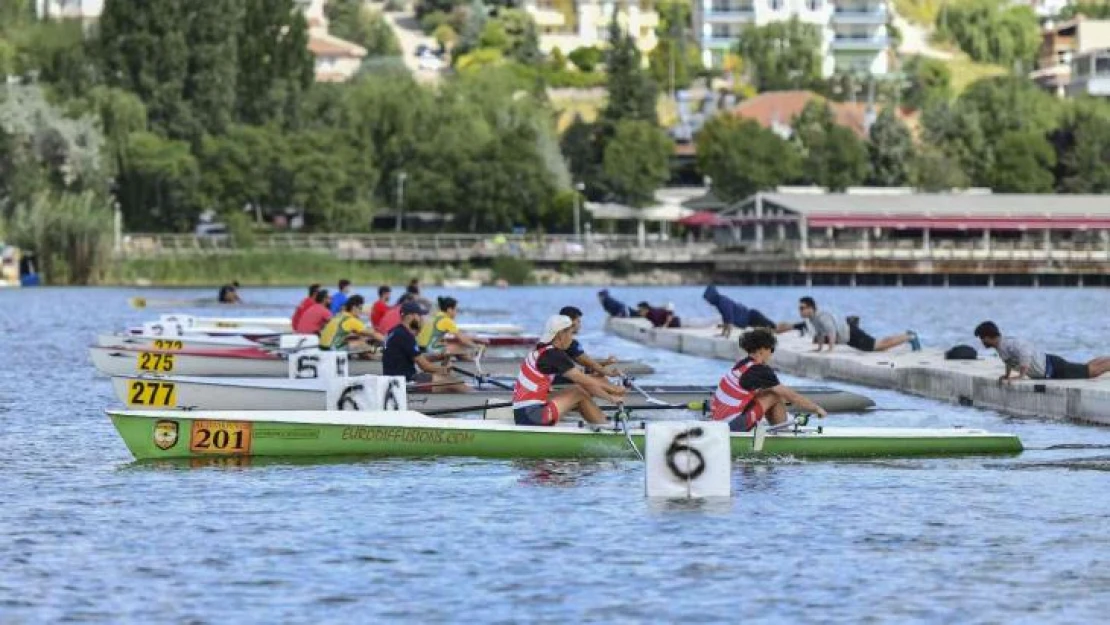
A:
x: 734, y: 314
x: 1031, y: 362
x: 751, y: 390
x: 613, y: 307
x: 316, y: 317
x: 830, y: 330
x: 578, y: 355
x: 659, y: 317
x: 347, y: 331
x: 432, y: 338
x: 402, y: 356
x: 533, y: 401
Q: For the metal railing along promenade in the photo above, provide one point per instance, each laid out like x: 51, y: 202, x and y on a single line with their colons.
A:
x: 431, y: 247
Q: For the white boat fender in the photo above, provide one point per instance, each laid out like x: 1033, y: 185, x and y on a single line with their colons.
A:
x: 367, y: 392
x: 688, y: 460
x: 317, y: 363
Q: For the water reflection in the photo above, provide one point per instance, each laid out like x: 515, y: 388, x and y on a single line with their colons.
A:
x: 559, y: 473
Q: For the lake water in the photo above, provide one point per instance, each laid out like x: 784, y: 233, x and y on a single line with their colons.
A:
x: 86, y: 535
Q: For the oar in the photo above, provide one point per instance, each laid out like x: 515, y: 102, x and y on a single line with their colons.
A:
x: 465, y: 409
x: 482, y: 379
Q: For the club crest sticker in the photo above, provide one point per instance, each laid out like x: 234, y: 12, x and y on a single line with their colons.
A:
x: 165, y: 434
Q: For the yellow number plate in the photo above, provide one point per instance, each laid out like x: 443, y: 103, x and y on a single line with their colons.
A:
x: 227, y: 324
x: 168, y: 344
x: 220, y: 437
x: 150, y: 393
x: 157, y: 363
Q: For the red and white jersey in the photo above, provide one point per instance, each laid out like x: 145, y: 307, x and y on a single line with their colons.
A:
x: 730, y: 399
x: 532, y: 387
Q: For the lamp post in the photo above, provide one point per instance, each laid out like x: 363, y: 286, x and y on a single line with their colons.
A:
x: 400, y: 199
x: 579, y: 187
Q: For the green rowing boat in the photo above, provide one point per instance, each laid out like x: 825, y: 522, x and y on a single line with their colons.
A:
x: 152, y: 434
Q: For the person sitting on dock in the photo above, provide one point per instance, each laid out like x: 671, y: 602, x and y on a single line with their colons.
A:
x: 313, y: 320
x: 229, y: 294
x: 346, y: 330
x: 533, y: 400
x: 339, y: 298
x: 1031, y: 362
x: 751, y: 390
x: 734, y: 314
x: 432, y: 338
x: 830, y: 330
x: 659, y: 317
x: 613, y: 306
x: 305, y: 304
x: 578, y: 355
x: 402, y: 356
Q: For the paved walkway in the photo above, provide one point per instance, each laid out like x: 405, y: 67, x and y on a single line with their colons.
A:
x: 410, y: 36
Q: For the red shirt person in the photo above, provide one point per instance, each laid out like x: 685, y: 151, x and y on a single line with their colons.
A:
x: 380, y: 307
x: 317, y: 316
x: 304, y: 305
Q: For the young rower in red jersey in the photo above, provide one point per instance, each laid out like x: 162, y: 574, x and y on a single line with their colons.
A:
x: 751, y: 391
x: 533, y: 401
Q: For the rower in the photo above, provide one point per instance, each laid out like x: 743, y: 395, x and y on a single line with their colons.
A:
x: 305, y: 304
x: 578, y: 355
x: 402, y: 356
x: 316, y: 317
x: 751, y: 391
x: 380, y: 307
x: 229, y: 294
x: 533, y: 401
x: 346, y: 329
x: 432, y: 335
x: 339, y: 298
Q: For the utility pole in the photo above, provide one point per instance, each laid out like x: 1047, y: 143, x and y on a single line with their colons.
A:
x: 578, y: 189
x: 400, y: 199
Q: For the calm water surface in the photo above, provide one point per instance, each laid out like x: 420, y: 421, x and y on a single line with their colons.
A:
x: 88, y: 536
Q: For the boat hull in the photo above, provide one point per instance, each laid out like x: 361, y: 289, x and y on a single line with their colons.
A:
x: 151, y: 435
x: 211, y: 393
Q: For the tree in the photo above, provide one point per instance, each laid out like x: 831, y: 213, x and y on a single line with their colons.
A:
x: 354, y: 21
x: 245, y: 169
x: 675, y: 60
x: 212, y: 33
x: 782, y: 55
x: 833, y: 157
x: 56, y: 52
x: 934, y: 171
x: 473, y: 26
x: 158, y: 185
x: 992, y: 32
x: 636, y: 161
x: 1082, y: 144
x: 632, y: 92
x: 275, y: 67
x: 929, y: 80
x: 1023, y: 164
x: 743, y: 158
x: 581, y: 147
x: 890, y: 150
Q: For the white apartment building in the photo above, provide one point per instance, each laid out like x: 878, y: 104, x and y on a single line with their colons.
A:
x: 853, y: 32
x: 588, y: 24
x: 69, y: 9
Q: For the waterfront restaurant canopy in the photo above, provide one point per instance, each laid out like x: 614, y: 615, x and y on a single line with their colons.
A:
x: 936, y: 211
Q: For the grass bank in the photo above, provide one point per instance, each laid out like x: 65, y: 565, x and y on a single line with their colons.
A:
x: 253, y: 268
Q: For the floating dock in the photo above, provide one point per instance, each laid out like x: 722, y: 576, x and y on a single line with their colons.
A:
x: 925, y: 373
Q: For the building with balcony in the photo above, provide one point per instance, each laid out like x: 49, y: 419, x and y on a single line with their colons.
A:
x: 1090, y: 74
x: 570, y: 24
x: 853, y: 32
x: 1060, y: 43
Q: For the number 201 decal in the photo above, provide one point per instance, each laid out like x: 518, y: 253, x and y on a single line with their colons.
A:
x: 221, y: 437
x: 148, y: 393
x: 158, y: 363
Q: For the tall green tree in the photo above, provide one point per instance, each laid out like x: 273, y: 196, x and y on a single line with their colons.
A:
x: 890, y: 150
x: 675, y: 60
x: 636, y: 161
x: 832, y: 156
x: 212, y: 33
x: 158, y: 185
x: 929, y: 80
x: 993, y: 32
x: 632, y: 91
x: 354, y: 21
x: 1024, y: 164
x: 1082, y: 144
x: 934, y: 171
x: 742, y: 157
x: 275, y: 67
x: 782, y: 55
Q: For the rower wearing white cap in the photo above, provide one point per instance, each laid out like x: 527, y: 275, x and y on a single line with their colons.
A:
x: 533, y: 401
